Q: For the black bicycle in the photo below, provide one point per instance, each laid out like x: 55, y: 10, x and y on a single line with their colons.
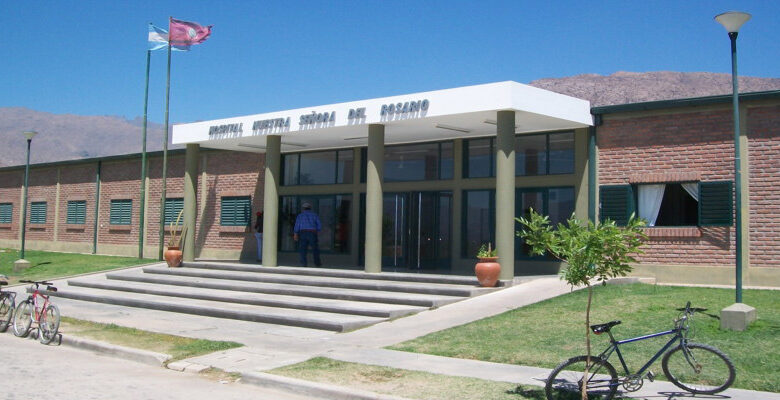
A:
x: 7, y: 304
x: 695, y: 367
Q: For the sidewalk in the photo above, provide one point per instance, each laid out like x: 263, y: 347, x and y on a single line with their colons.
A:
x: 365, y: 346
x: 268, y: 347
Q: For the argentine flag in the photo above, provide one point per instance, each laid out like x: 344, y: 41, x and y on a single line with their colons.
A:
x: 158, y: 39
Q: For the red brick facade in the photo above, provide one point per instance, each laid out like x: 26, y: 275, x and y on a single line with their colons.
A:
x: 77, y: 183
x: 677, y: 144
x: 764, y: 127
x: 11, y: 192
x: 227, y: 174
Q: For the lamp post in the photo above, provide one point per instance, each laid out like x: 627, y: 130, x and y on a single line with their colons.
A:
x: 22, y: 263
x: 742, y: 315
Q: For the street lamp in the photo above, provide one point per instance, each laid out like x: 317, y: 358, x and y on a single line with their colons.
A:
x: 732, y: 21
x: 22, y: 263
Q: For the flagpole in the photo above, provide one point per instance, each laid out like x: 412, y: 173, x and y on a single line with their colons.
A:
x: 141, y: 230
x: 165, y: 148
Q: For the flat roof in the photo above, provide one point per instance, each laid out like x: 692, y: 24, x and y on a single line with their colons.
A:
x: 463, y: 112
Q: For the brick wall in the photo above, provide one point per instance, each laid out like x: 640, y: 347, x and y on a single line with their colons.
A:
x: 764, y: 128
x: 174, y: 188
x: 77, y: 182
x: 11, y: 192
x: 43, y: 187
x: 689, y: 143
x: 119, y: 180
x: 229, y: 174
x: 699, y: 144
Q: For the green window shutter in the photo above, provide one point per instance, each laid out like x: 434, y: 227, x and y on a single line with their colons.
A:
x: 172, y: 208
x: 121, y: 212
x: 715, y: 204
x: 77, y: 212
x: 617, y: 203
x: 38, y: 212
x: 6, y: 213
x: 235, y: 211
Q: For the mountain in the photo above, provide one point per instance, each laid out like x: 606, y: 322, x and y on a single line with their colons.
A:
x: 66, y: 136
x: 636, y: 87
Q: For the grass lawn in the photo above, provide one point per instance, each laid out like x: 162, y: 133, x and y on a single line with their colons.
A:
x: 546, y: 333
x: 405, y: 383
x: 178, y: 347
x: 51, y: 265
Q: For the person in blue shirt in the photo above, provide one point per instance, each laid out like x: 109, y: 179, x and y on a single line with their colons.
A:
x: 307, y: 226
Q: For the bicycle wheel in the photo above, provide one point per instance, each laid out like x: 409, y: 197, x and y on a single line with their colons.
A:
x: 565, y: 381
x: 6, y: 311
x: 23, y: 318
x: 49, y: 324
x: 704, y: 369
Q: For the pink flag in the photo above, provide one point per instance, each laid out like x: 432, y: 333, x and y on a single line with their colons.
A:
x: 183, y: 33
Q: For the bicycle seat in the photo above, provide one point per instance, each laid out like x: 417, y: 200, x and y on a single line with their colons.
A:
x: 51, y: 288
x: 601, y: 328
x: 3, y: 283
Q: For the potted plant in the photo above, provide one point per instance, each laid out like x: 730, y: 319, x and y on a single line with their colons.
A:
x: 173, y: 256
x: 487, y: 269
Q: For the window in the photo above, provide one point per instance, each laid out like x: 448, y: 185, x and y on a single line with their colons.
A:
x: 6, y: 213
x: 317, y: 168
x: 415, y: 162
x: 479, y: 220
x: 121, y: 212
x: 38, y: 212
x: 334, y: 212
x: 235, y: 211
x: 77, y: 212
x: 479, y: 213
x: 480, y: 158
x: 173, y: 207
x: 535, y: 154
x: 557, y: 203
x: 669, y: 204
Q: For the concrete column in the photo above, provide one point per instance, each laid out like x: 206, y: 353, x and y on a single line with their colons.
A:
x: 456, y: 236
x: 581, y: 176
x: 374, y: 193
x: 190, y: 201
x: 57, y: 205
x: 273, y: 160
x: 505, y: 193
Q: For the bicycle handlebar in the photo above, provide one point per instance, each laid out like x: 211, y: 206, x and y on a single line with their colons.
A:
x: 49, y: 285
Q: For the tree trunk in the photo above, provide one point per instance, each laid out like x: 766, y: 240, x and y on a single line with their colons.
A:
x: 587, y: 345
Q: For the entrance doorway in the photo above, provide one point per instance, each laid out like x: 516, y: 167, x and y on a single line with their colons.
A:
x: 416, y: 231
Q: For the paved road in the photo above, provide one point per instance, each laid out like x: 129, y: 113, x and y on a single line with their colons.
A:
x: 32, y: 370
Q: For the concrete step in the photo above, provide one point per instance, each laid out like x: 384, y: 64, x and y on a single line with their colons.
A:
x: 336, y: 273
x: 332, y: 282
x: 358, y: 295
x: 245, y: 312
x: 228, y: 295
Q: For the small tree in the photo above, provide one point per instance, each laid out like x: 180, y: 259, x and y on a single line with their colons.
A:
x: 591, y: 251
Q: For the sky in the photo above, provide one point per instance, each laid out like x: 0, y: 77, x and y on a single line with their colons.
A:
x: 89, y: 57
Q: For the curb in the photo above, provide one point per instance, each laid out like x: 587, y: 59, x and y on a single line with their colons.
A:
x: 321, y: 390
x: 125, y: 353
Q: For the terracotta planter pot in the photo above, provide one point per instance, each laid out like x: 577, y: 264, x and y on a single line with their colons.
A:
x: 487, y: 270
x: 173, y: 257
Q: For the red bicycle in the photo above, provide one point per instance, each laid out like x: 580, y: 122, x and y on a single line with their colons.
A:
x: 37, y: 308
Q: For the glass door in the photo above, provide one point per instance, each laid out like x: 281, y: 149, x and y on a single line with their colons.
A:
x: 416, y: 231
x: 395, y: 231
